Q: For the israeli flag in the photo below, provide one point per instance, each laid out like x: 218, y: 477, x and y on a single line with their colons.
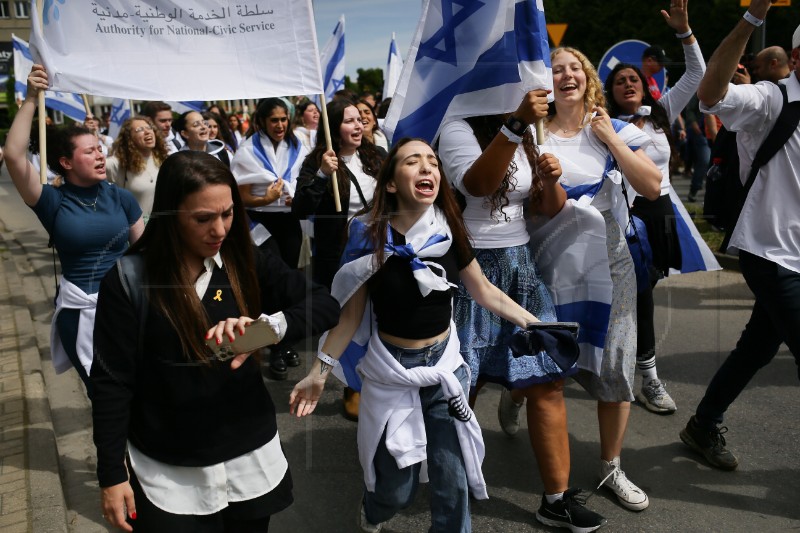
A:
x: 470, y: 57
x: 696, y: 256
x: 68, y: 103
x: 120, y: 112
x: 189, y: 105
x: 392, y: 73
x: 331, y: 60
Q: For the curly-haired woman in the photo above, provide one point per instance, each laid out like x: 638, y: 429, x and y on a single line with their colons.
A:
x: 136, y: 157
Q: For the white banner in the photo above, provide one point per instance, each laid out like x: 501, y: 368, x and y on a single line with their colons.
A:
x: 179, y: 49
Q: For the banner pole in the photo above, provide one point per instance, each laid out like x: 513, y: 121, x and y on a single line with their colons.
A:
x: 540, y: 131
x: 328, y: 144
x: 42, y: 115
x: 86, y: 106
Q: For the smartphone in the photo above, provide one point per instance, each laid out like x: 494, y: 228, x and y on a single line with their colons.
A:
x: 257, y: 335
x: 572, y: 327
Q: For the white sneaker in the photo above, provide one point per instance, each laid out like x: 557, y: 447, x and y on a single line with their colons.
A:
x: 508, y: 413
x: 628, y: 494
x: 656, y: 398
x: 365, y: 526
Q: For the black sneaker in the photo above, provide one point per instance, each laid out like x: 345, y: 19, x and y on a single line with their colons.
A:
x: 710, y: 444
x: 569, y: 512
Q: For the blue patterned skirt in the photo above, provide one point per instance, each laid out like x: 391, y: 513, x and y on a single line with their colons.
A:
x: 485, y: 337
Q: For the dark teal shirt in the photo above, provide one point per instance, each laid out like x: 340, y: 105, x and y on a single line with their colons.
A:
x: 89, y: 227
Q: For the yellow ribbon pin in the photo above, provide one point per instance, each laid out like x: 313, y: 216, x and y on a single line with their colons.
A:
x: 218, y: 297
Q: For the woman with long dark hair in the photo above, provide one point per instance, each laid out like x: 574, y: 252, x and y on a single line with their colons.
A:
x: 414, y: 378
x: 89, y: 221
x: 203, y: 451
x: 629, y: 99
x: 266, y: 167
x: 356, y: 164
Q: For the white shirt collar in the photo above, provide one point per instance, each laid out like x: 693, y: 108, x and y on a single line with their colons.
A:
x: 201, y: 285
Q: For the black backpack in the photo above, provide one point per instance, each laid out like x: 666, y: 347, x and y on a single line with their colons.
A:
x: 734, y: 193
x: 723, y: 186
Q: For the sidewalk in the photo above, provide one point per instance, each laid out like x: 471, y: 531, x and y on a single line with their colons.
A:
x: 31, y: 495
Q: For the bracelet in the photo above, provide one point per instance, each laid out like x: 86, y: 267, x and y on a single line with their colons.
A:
x: 752, y: 19
x: 513, y: 137
x: 327, y: 359
x: 684, y: 35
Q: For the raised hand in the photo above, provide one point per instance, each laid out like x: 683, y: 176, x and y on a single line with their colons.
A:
x: 678, y: 16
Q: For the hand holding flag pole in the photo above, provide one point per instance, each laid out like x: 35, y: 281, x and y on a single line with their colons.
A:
x: 327, y: 129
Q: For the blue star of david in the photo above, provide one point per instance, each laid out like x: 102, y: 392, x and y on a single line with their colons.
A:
x: 337, y: 84
x: 446, y: 33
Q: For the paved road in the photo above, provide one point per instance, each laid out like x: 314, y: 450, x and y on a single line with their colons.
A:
x: 699, y: 317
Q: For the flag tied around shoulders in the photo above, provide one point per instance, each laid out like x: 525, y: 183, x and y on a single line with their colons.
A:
x: 393, y: 67
x: 332, y: 61
x: 69, y: 104
x: 178, y: 50
x: 468, y: 58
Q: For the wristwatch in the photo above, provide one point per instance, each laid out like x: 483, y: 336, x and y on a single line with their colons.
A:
x: 516, y: 126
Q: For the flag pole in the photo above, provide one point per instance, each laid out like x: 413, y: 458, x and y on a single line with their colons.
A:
x: 540, y: 131
x: 42, y: 116
x: 86, y: 106
x: 334, y: 181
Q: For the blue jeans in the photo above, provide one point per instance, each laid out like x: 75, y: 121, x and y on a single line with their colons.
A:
x: 775, y: 319
x: 701, y: 158
x: 395, y: 488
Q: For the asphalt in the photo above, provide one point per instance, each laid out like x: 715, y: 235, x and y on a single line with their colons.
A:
x: 47, y: 459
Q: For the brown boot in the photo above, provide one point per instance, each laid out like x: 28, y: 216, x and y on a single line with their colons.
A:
x: 350, y: 401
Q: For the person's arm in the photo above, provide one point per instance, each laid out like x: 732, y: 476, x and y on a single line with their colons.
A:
x: 725, y: 58
x: 711, y: 127
x: 640, y: 170
x: 113, y: 375
x: 308, y: 307
x: 136, y: 231
x: 23, y: 173
x: 491, y: 298
x: 311, y: 187
x: 305, y: 395
x: 553, y: 195
x: 274, y: 191
x: 488, y: 171
x: 678, y: 97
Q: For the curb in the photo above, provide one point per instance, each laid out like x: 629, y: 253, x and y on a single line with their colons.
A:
x: 46, y: 493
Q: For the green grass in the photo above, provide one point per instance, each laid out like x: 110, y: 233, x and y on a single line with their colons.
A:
x: 712, y: 237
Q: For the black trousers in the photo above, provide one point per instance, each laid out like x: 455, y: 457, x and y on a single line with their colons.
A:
x: 775, y: 319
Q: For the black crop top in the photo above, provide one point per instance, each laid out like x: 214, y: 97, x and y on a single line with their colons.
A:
x: 399, y: 306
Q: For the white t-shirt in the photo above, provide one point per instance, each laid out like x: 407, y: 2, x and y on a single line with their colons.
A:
x: 365, y: 181
x: 141, y: 185
x: 458, y: 150
x: 768, y: 225
x: 583, y: 160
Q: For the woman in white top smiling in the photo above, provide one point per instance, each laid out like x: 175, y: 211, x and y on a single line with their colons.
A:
x: 584, y: 138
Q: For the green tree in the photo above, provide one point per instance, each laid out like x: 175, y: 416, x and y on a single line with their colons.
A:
x: 370, y: 79
x: 594, y: 26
